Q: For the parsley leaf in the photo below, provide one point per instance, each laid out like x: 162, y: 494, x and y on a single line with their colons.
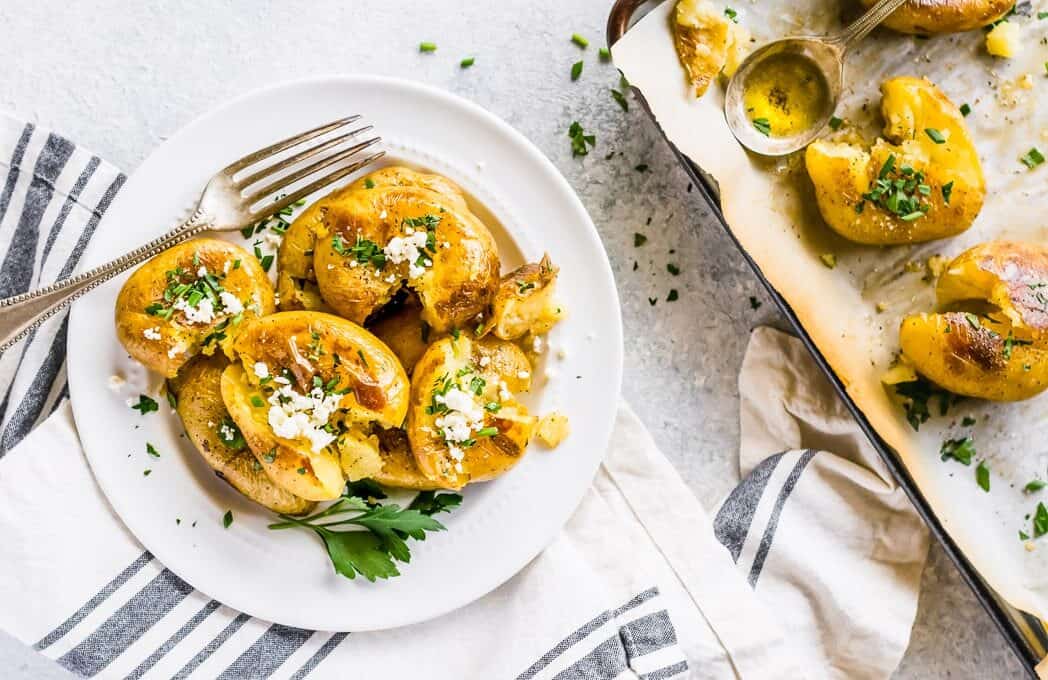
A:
x: 960, y: 450
x: 580, y: 140
x: 227, y: 519
x: 1040, y: 521
x: 1034, y: 486
x: 982, y: 476
x: 918, y: 394
x: 146, y: 404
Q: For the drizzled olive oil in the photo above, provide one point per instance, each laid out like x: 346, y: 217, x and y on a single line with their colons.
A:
x: 785, y: 95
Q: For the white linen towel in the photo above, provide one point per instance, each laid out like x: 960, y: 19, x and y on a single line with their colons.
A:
x: 810, y: 568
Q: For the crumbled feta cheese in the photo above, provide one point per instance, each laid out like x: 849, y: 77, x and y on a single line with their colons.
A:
x: 176, y: 350
x: 407, y: 249
x: 445, y: 245
x: 382, y: 215
x: 204, y: 312
x: 353, y: 264
x: 523, y: 375
x: 504, y: 393
x: 300, y: 416
x: 463, y: 417
x: 272, y: 239
x: 152, y: 333
x: 226, y: 266
x: 230, y: 303
x: 202, y: 272
x: 330, y: 267
x: 484, y: 361
x: 261, y: 370
x: 536, y: 344
x: 227, y: 433
x: 392, y: 278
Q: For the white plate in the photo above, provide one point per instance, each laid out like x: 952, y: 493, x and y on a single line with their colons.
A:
x: 286, y: 576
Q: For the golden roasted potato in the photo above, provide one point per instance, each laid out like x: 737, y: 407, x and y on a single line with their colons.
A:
x: 525, y: 302
x: 198, y: 387
x: 306, y: 393
x: 944, y: 16
x: 1001, y: 352
x: 464, y: 424
x: 922, y: 182
x: 399, y: 469
x: 189, y: 299
x: 404, y: 332
x: 701, y: 36
x: 392, y: 229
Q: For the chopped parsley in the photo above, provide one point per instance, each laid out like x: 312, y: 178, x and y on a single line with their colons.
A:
x: 947, y: 191
x: 369, y: 183
x: 227, y: 519
x: 754, y: 303
x: 1034, y: 486
x: 576, y: 70
x: 982, y: 476
x: 146, y: 472
x: 1040, y: 521
x: 1032, y: 158
x: 639, y: 240
x: 673, y: 269
x: 579, y: 40
x: 1011, y: 343
x: 580, y: 140
x: 962, y: 450
x: 151, y: 450
x: 427, y: 47
x: 467, y: 62
x: 524, y: 286
x: 146, y: 405
x: 620, y: 99
x: 364, y: 251
x: 967, y: 421
x: 604, y: 53
x: 935, y: 135
x: 899, y: 191
x: 673, y: 295
x: 965, y: 109
x: 731, y: 14
x: 230, y: 435
x: 835, y: 123
x: 763, y: 126
x: 829, y: 259
x: 918, y: 394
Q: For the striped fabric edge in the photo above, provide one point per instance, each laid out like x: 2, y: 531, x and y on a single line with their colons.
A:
x: 747, y: 519
x: 638, y: 635
x: 126, y: 627
x: 52, y: 197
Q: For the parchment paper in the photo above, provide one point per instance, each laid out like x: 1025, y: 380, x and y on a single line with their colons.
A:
x: 770, y: 206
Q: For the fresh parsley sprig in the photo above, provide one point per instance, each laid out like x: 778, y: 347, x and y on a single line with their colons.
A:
x: 369, y: 538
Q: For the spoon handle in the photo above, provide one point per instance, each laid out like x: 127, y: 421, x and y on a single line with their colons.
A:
x: 866, y: 23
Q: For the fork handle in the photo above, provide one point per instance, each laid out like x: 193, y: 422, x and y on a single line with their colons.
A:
x: 22, y: 313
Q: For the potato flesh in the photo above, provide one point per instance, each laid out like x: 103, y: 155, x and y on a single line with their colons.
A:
x: 313, y: 475
x: 843, y: 172
x: 525, y: 302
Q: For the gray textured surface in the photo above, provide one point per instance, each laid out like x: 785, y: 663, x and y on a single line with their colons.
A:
x: 118, y: 77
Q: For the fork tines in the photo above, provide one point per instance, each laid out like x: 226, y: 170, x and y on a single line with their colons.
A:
x: 284, y: 172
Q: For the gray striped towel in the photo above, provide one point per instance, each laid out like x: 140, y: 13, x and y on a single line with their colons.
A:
x: 810, y: 567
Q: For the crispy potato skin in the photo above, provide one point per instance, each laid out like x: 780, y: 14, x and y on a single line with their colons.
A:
x: 491, y: 456
x: 925, y: 17
x: 972, y: 355
x: 1010, y: 275
x: 399, y: 469
x: 971, y: 360
x: 843, y: 172
x: 312, y: 345
x: 524, y: 302
x: 701, y: 36
x: 198, y: 387
x: 179, y: 340
x: 459, y: 284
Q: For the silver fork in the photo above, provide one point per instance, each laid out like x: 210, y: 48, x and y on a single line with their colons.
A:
x: 228, y: 202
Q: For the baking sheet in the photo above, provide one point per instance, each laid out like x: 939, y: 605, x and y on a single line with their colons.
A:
x: 770, y: 207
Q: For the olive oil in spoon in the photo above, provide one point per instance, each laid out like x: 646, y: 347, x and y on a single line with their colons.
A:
x: 784, y: 94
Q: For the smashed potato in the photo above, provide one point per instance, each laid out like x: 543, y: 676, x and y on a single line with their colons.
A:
x: 391, y: 229
x: 922, y: 181
x: 208, y: 424
x: 189, y: 299
x: 924, y: 17
x: 701, y: 36
x: 464, y: 424
x: 525, y: 302
x: 306, y: 393
x: 999, y: 349
x: 404, y: 332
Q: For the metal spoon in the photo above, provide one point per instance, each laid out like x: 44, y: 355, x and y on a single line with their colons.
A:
x: 826, y: 54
